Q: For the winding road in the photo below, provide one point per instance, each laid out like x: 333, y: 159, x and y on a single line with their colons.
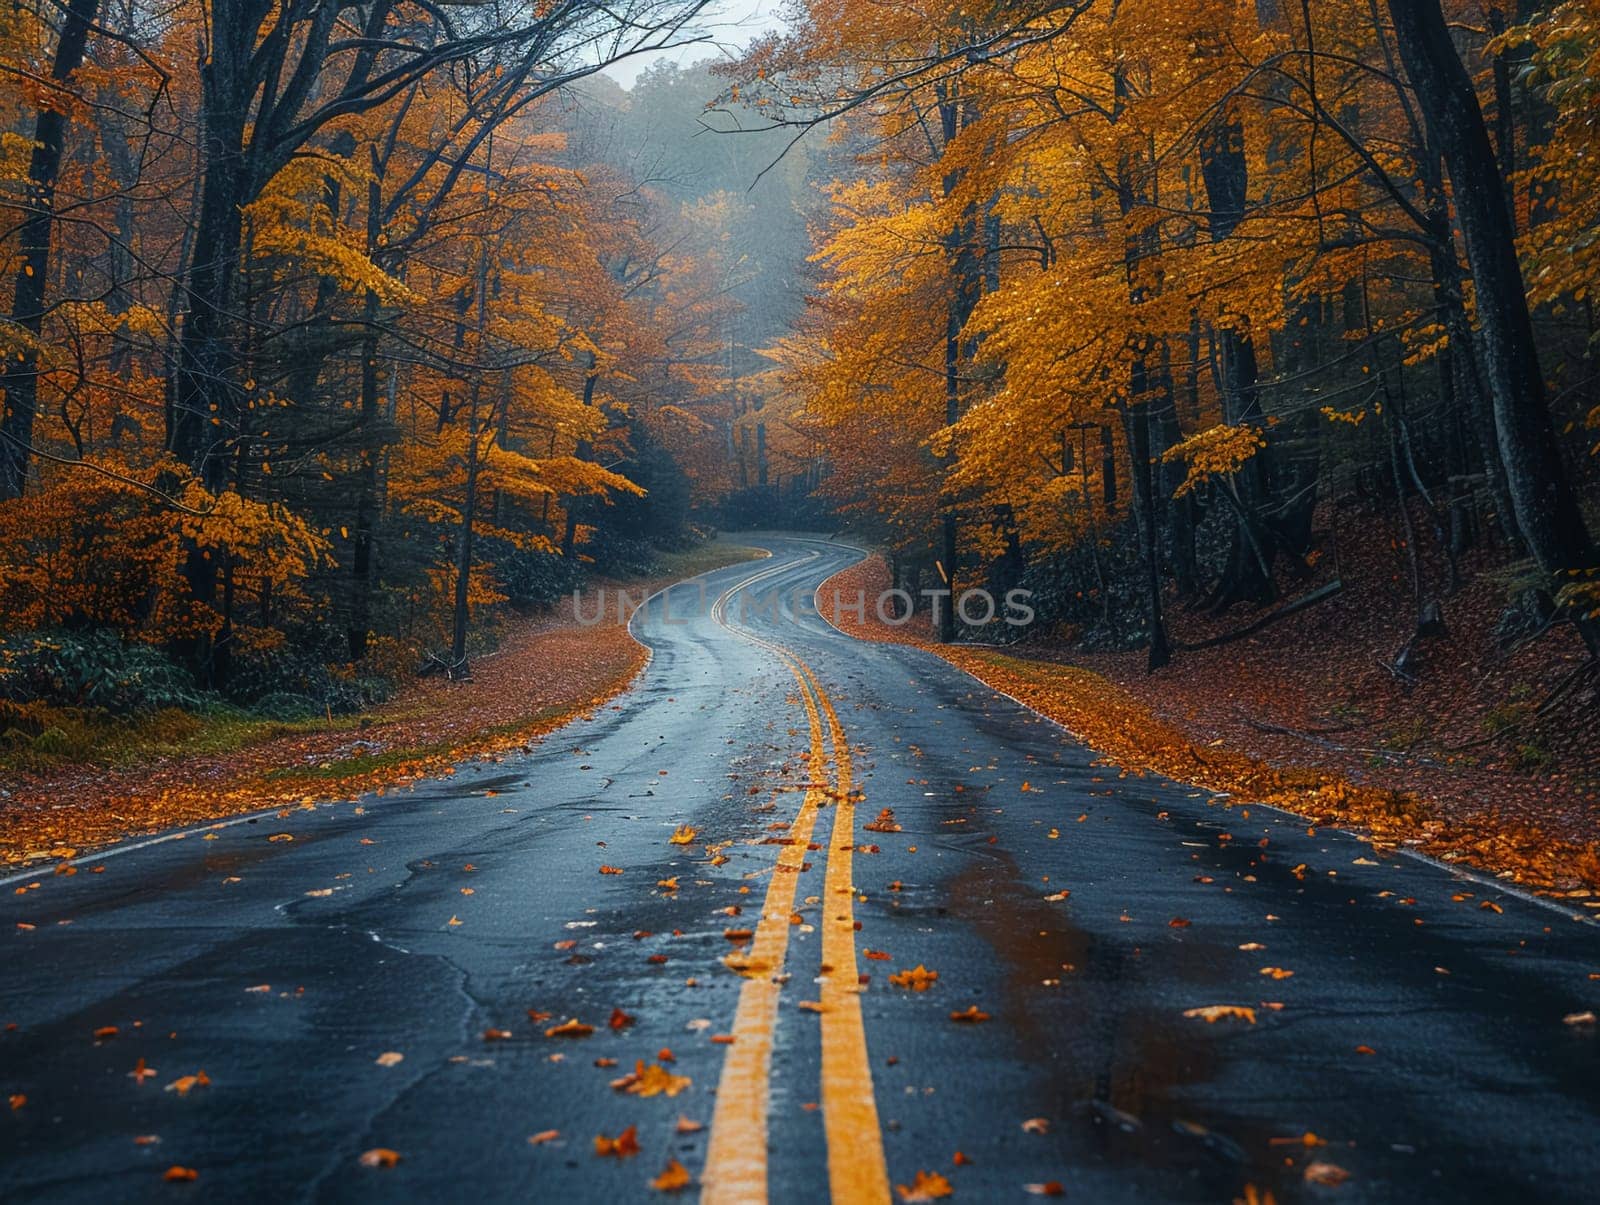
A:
x: 1390, y: 1029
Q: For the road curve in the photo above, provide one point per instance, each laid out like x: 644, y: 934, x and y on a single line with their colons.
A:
x: 1408, y: 1040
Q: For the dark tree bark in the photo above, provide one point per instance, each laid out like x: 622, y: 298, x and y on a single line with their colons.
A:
x: 1136, y: 420
x: 1108, y: 470
x: 569, y: 537
x: 1140, y: 423
x: 965, y: 268
x: 1252, y: 547
x: 365, y: 535
x: 1541, y: 493
x: 20, y: 381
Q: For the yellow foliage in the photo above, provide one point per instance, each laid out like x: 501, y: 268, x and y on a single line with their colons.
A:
x: 1219, y: 451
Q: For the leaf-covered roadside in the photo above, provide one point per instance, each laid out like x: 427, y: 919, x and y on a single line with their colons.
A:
x: 1127, y: 732
x: 547, y: 671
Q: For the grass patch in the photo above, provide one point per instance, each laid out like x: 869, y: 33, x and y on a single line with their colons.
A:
x: 707, y: 557
x: 36, y: 738
x: 361, y: 764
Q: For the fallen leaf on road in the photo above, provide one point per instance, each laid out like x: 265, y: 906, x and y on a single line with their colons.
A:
x: 959, y: 1159
x: 1252, y: 945
x: 1050, y: 1188
x: 1212, y: 1013
x: 185, y: 1084
x: 668, y: 884
x: 610, y: 870
x: 570, y: 1028
x: 651, y: 1080
x: 104, y: 1032
x: 684, y: 834
x: 260, y: 988
x: 687, y: 1125
x: 1365, y: 1050
x: 885, y: 823
x: 1307, y: 1140
x: 379, y: 1156
x: 496, y: 1035
x: 623, y: 1146
x: 919, y: 978
x: 281, y: 837
x: 1578, y: 1019
x: 674, y: 1179
x: 1058, y: 896
x: 18, y: 1099
x: 620, y: 1019
x: 146, y: 1139
x: 738, y: 934
x: 1277, y: 972
x: 1177, y: 922
x: 140, y: 1072
x: 543, y: 1136
x: 180, y: 1175
x: 927, y: 1186
x: 972, y: 1015
x: 1330, y: 1175
x: 877, y: 955
x: 320, y: 892
x: 1036, y: 1125
x: 389, y: 1058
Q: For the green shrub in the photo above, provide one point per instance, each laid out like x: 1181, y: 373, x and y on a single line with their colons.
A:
x: 302, y: 678
x: 533, y: 580
x: 620, y: 556
x: 93, y: 669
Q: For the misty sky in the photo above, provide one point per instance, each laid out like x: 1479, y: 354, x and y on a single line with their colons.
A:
x: 729, y: 24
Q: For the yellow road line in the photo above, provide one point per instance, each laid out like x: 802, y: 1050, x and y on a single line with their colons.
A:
x: 735, y: 1170
x: 857, y: 1171
x: 736, y: 1158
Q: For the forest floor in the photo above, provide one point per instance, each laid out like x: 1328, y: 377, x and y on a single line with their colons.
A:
x: 546, y: 670
x: 1305, y: 715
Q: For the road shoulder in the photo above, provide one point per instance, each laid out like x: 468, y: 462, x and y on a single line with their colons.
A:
x: 1129, y: 733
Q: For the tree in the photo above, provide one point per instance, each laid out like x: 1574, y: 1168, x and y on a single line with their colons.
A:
x: 1546, y: 506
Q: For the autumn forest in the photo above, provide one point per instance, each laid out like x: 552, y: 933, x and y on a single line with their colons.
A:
x: 340, y: 336
x: 915, y: 474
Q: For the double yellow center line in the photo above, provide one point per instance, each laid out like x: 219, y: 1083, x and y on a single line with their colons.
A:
x: 736, y: 1158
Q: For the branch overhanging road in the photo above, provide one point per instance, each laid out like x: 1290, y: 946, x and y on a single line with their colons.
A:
x: 1420, y: 1035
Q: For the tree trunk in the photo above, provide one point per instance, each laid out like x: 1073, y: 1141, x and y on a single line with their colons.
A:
x: 361, y: 553
x: 20, y: 381
x: 569, y: 537
x: 1136, y: 423
x: 469, y: 504
x: 1541, y: 494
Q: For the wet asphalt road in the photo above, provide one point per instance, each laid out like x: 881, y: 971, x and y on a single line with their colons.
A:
x: 1420, y: 1035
